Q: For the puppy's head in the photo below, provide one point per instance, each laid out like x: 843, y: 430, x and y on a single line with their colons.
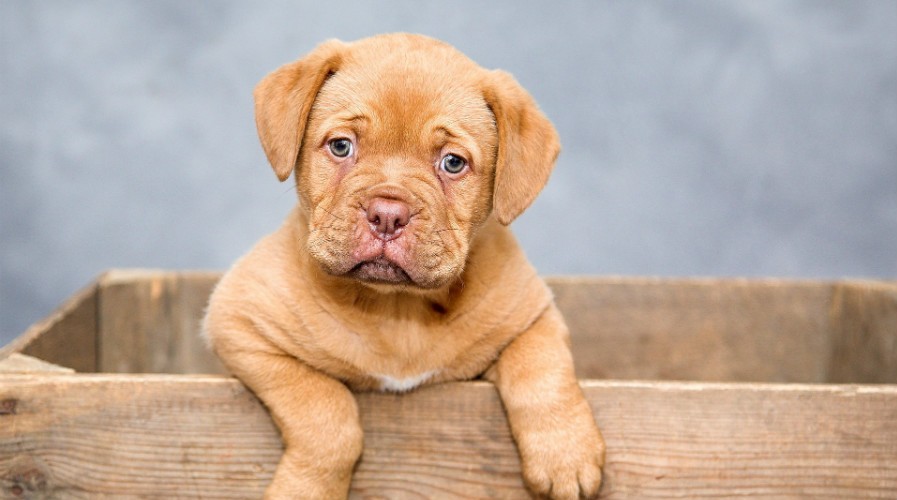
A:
x: 402, y: 148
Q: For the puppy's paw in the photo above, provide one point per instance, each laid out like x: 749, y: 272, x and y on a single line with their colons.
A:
x: 563, y: 463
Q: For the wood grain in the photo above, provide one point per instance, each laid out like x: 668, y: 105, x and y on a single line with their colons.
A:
x: 130, y: 436
x: 149, y: 322
x: 21, y: 363
x: 864, y: 346
x: 139, y: 436
x: 67, y: 337
x: 700, y: 330
x: 627, y: 328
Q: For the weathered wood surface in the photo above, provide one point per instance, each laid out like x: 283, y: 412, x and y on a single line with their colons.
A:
x: 136, y: 321
x: 150, y: 322
x: 698, y: 329
x: 21, y: 363
x: 68, y: 337
x: 864, y: 346
x: 130, y: 436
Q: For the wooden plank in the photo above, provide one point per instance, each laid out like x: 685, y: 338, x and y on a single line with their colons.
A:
x: 699, y: 330
x: 193, y: 297
x: 865, y: 347
x: 20, y: 363
x: 83, y: 436
x: 630, y: 328
x: 68, y: 337
x: 149, y: 322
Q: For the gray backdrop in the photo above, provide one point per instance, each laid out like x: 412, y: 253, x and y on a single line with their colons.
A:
x: 711, y: 138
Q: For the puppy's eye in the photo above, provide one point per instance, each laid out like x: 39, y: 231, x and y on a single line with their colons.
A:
x: 452, y: 164
x: 341, y: 148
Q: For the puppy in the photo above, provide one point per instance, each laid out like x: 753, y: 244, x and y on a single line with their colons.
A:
x: 396, y: 269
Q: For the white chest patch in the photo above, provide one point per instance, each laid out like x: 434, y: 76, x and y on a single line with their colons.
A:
x: 393, y: 384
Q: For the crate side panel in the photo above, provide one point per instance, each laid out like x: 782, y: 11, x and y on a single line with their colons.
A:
x: 702, y: 330
x: 192, y: 353
x: 101, y: 436
x: 132, y: 436
x: 764, y: 441
x: 864, y: 348
x: 135, y: 325
x: 150, y: 323
x: 68, y: 337
x: 22, y: 363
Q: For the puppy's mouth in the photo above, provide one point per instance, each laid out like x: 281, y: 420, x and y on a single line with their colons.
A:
x: 380, y: 270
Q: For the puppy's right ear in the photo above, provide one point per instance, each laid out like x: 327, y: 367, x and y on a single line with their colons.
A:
x: 283, y: 100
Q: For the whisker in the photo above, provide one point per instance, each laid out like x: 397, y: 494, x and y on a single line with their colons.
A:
x: 332, y: 214
x: 290, y: 188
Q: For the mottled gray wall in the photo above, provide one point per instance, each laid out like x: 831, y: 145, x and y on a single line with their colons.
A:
x: 750, y: 138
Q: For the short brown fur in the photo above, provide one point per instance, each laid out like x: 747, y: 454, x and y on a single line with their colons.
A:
x: 335, y: 300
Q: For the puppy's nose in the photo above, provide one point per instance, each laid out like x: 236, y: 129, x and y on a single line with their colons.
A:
x: 387, y: 216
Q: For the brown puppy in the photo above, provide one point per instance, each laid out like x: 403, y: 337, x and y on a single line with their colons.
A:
x: 396, y: 269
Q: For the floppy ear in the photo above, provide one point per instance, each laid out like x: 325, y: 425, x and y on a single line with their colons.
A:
x: 283, y: 100
x: 528, y: 146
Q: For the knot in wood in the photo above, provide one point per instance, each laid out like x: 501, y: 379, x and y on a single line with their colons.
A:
x: 25, y: 477
x: 8, y: 407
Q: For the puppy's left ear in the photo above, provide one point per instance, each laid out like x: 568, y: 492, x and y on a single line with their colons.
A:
x: 528, y: 146
x: 283, y: 100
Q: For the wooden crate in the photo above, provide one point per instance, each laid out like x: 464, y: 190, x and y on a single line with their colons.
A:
x: 703, y: 388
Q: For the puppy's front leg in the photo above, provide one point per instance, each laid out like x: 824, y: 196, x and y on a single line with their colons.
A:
x: 561, y: 448
x: 318, y: 420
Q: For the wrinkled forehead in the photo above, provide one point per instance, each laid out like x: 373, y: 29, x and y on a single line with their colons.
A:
x: 408, y: 92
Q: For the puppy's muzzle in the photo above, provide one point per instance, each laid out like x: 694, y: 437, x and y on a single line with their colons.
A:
x: 387, y: 217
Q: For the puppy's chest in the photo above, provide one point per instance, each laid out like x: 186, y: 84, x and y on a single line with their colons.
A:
x: 403, y: 384
x: 400, y: 356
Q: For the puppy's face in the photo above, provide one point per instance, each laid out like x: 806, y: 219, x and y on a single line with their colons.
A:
x: 405, y: 147
x: 396, y: 168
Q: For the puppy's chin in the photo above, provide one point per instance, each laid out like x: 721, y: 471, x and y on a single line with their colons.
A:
x: 380, y: 271
x: 385, y: 276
